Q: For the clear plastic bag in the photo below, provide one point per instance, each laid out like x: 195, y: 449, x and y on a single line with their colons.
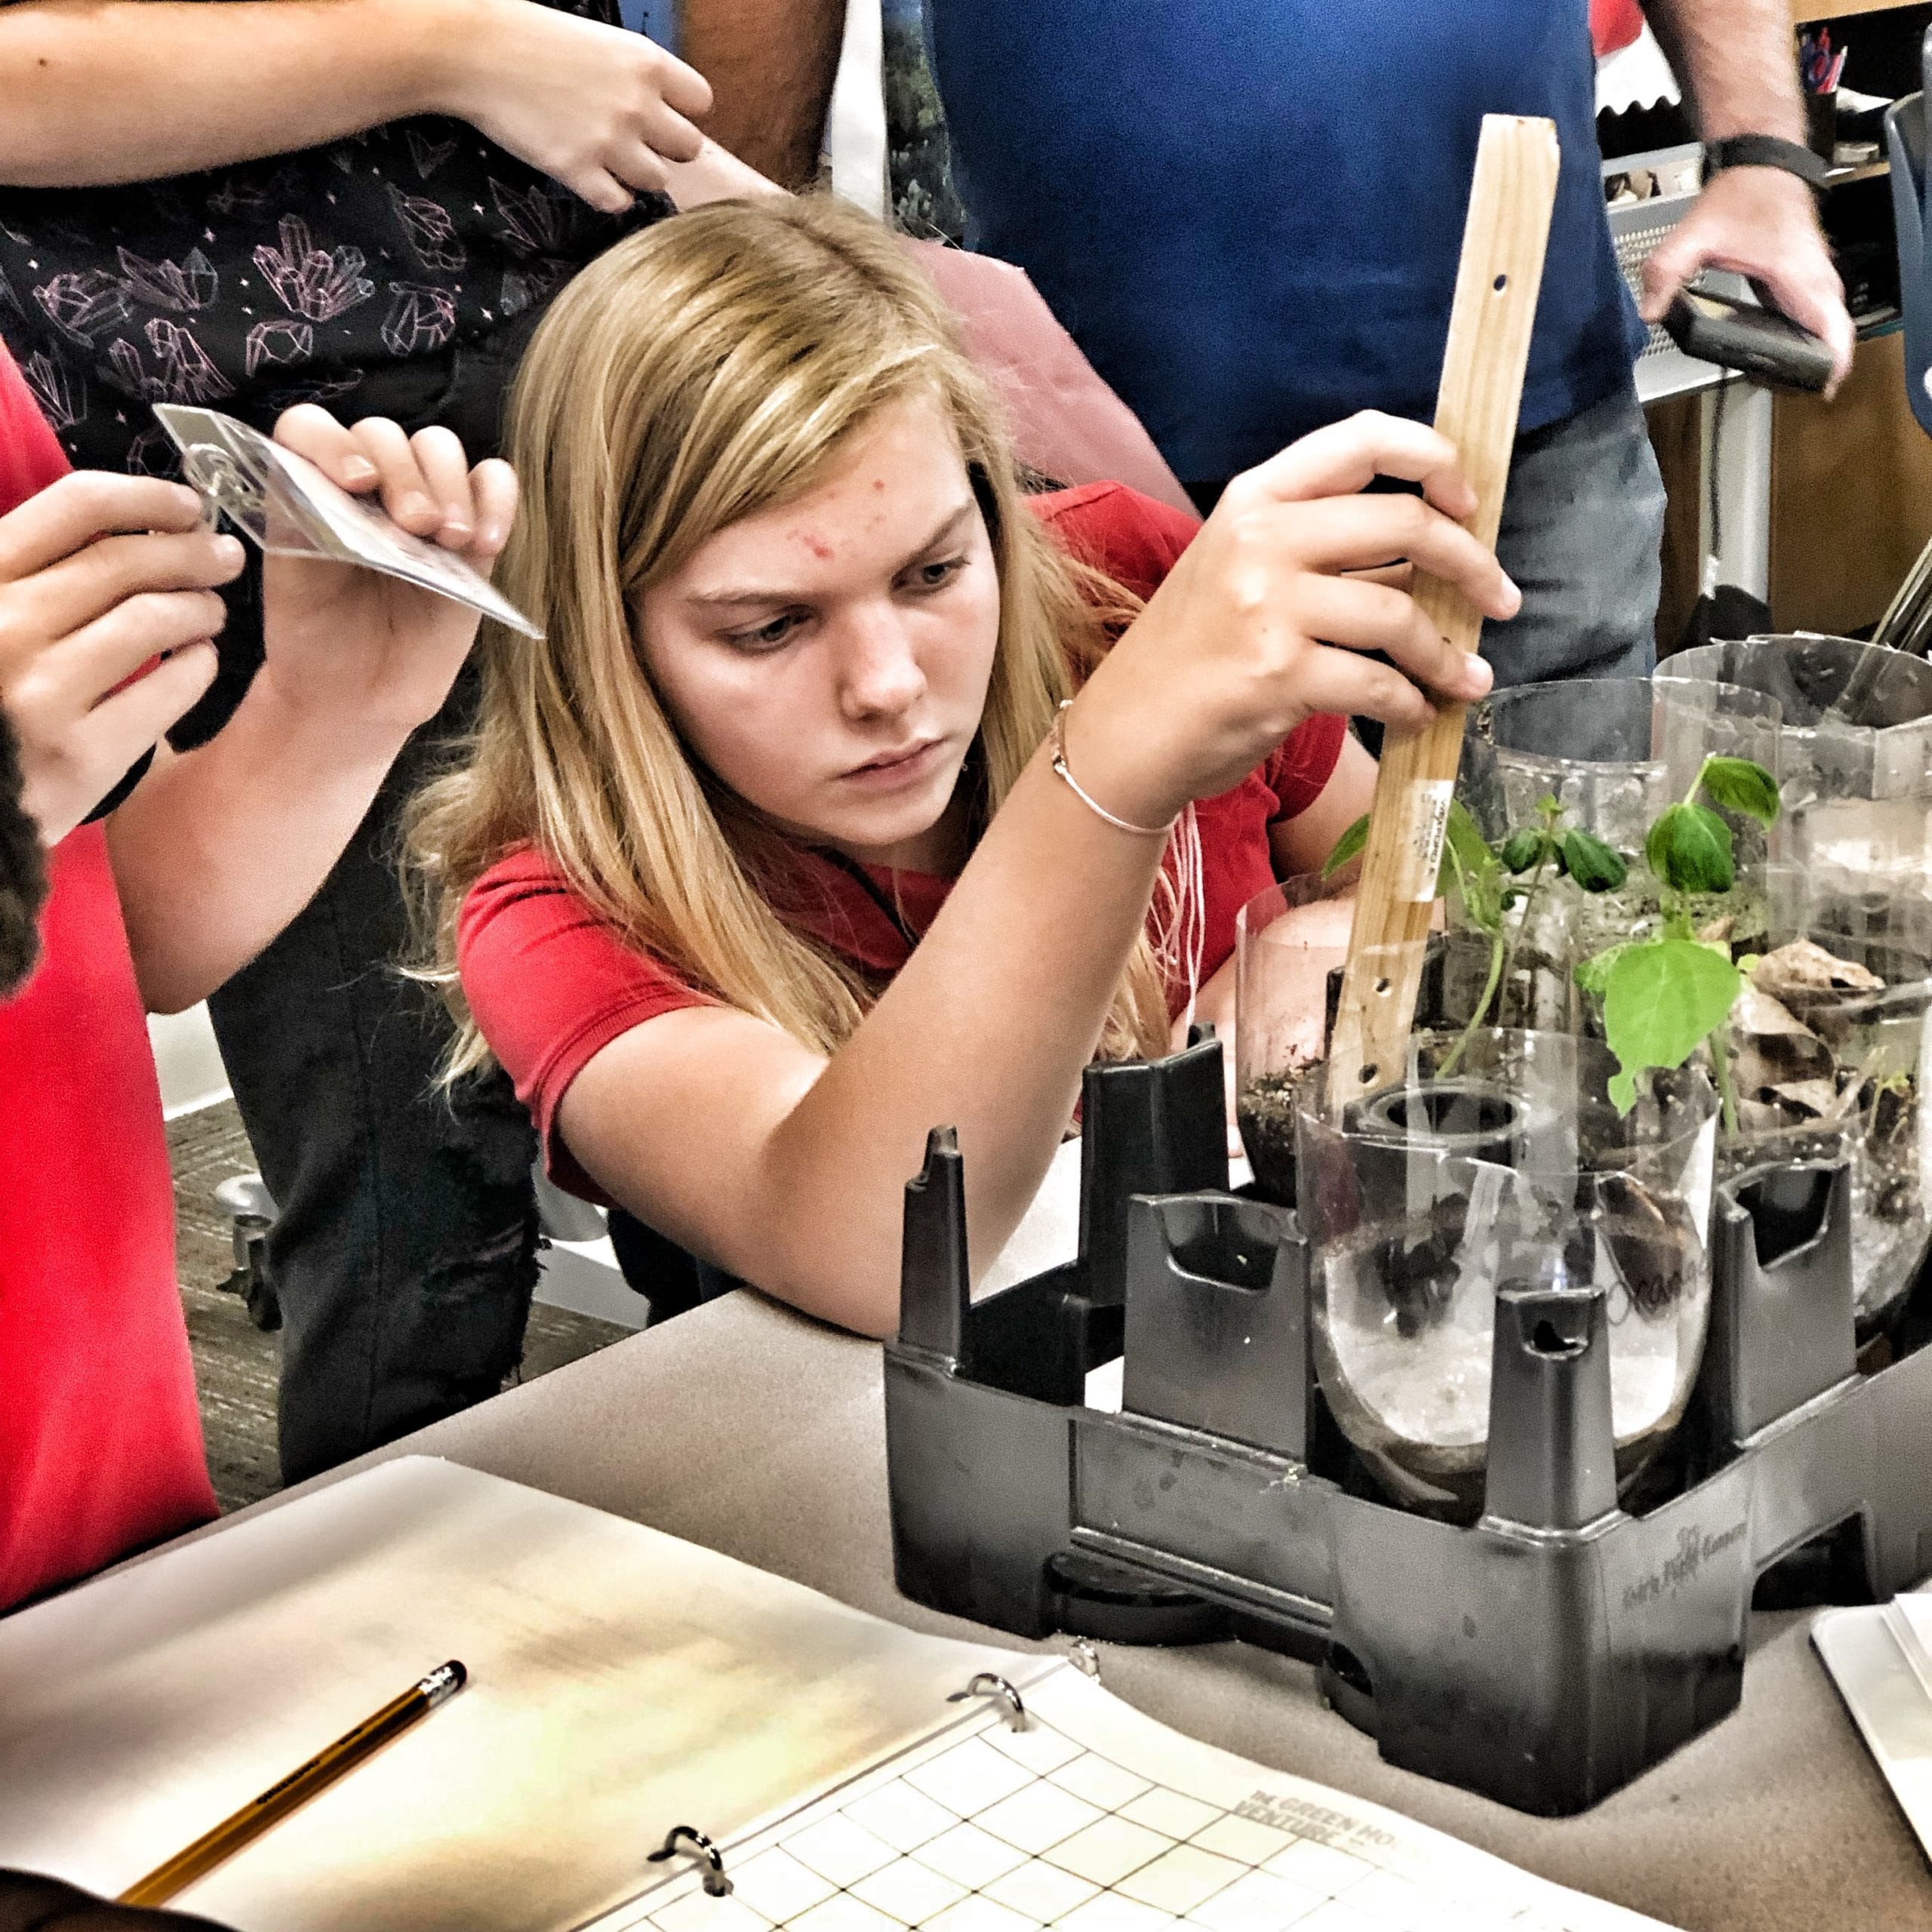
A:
x: 284, y: 504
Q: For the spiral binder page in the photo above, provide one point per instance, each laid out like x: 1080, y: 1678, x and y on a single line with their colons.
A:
x: 1094, y: 1819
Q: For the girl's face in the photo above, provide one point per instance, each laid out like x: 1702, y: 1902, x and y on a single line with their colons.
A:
x: 828, y: 659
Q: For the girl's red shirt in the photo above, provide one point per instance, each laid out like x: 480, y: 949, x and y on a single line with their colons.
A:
x: 100, y: 1440
x: 551, y: 985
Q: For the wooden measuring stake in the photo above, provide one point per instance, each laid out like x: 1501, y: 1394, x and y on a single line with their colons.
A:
x: 1488, y: 350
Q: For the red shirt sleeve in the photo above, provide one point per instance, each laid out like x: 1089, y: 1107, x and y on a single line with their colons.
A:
x: 1302, y: 764
x: 31, y: 456
x: 551, y: 985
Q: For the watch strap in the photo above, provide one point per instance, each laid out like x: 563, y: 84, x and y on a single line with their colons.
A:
x: 1765, y: 151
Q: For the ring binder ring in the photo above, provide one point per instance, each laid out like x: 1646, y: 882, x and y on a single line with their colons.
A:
x: 984, y: 1684
x: 222, y: 481
x: 695, y: 1845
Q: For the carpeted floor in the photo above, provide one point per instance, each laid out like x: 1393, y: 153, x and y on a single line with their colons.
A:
x: 235, y: 1364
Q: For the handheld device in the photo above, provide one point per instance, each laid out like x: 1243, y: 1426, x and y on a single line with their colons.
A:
x: 1759, y: 341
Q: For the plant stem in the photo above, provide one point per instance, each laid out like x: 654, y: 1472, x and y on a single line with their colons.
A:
x: 1719, y: 1043
x: 1530, y: 892
x: 1456, y: 1052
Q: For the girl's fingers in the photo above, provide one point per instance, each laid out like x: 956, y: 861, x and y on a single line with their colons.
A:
x: 93, y: 580
x: 1352, y: 532
x: 70, y: 514
x: 81, y: 672
x: 1338, y: 681
x: 682, y: 88
x: 670, y: 136
x: 601, y: 189
x: 120, y: 728
x: 1359, y: 615
x: 444, y: 467
x: 406, y: 492
x: 310, y: 431
x: 1345, y: 457
x: 493, y: 485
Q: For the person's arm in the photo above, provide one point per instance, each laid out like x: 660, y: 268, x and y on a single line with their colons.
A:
x: 789, y: 1170
x: 1738, y: 63
x: 770, y: 64
x: 218, y: 848
x: 102, y: 91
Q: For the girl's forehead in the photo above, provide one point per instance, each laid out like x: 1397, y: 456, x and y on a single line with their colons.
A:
x: 886, y: 488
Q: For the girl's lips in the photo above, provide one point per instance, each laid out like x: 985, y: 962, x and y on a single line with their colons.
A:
x: 898, y: 768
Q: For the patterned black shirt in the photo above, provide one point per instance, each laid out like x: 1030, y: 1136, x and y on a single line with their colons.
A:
x: 285, y: 280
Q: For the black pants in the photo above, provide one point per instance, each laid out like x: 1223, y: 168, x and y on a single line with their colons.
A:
x: 405, y: 1253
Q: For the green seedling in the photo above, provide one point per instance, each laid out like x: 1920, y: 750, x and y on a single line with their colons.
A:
x: 1483, y: 879
x: 1665, y: 995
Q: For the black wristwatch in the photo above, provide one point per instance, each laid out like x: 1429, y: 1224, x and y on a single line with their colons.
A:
x: 1765, y: 150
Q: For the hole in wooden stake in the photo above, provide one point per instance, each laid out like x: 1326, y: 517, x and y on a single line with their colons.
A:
x: 1501, y: 282
x: 1384, y: 987
x: 1368, y: 1074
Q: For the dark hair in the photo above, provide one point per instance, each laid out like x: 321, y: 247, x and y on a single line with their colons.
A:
x: 23, y: 872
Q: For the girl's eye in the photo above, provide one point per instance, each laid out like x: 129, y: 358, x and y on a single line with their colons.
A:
x: 936, y: 576
x: 766, y: 637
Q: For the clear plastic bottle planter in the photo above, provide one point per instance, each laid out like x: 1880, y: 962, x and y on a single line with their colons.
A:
x: 1855, y: 765
x: 1430, y: 1197
x: 1288, y: 941
x: 1857, y: 717
x: 1851, y: 871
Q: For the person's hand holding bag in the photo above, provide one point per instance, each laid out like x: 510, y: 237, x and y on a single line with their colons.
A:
x: 378, y: 653
x: 217, y: 849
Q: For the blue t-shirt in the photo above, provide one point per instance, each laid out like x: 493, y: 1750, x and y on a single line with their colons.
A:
x: 1249, y: 212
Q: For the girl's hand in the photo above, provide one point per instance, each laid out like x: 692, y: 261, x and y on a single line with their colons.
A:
x: 381, y: 653
x: 1259, y: 625
x: 600, y: 109
x: 101, y: 576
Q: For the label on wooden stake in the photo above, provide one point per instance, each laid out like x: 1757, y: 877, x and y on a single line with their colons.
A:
x: 1422, y: 844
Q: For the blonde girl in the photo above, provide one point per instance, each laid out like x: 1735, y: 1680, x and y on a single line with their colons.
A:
x: 786, y: 844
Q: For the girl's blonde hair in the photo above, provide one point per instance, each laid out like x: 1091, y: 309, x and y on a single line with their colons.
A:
x: 706, y: 368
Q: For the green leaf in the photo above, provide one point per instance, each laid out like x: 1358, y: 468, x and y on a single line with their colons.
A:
x: 1463, y: 836
x: 1593, y: 974
x: 1662, y: 998
x: 1739, y: 786
x: 1521, y: 850
x: 1595, y: 866
x: 1689, y: 848
x: 1350, y: 845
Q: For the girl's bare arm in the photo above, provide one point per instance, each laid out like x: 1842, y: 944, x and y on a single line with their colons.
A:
x: 104, y: 91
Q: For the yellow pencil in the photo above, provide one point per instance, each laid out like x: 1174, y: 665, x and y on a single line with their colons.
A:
x: 301, y: 1784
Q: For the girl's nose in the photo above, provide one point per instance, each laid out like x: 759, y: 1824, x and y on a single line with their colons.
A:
x: 879, y: 672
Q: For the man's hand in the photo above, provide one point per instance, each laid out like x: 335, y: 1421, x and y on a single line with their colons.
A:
x: 101, y: 576
x: 1759, y: 222
x: 597, y: 108
x: 376, y: 654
